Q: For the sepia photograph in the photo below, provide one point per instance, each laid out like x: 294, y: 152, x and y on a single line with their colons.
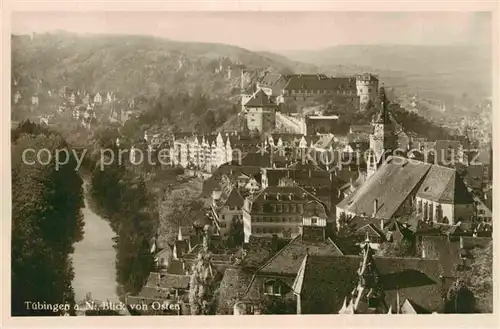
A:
x: 251, y: 163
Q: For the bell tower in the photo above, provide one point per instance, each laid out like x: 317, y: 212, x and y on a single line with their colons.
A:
x: 383, y: 141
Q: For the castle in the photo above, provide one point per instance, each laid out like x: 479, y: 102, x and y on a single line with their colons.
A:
x: 274, y: 90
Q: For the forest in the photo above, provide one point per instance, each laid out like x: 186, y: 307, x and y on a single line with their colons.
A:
x: 46, y: 221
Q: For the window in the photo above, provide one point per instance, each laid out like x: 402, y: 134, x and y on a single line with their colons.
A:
x: 272, y: 287
x: 286, y: 208
x: 280, y: 208
x: 294, y: 208
x: 314, y: 221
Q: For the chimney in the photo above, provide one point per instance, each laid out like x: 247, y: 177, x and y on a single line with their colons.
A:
x: 382, y: 224
x: 461, y: 242
x: 375, y: 207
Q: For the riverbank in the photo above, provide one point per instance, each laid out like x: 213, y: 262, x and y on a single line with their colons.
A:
x: 94, y: 257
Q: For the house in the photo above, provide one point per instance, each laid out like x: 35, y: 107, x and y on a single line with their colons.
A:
x: 260, y: 112
x: 205, y: 153
x: 34, y: 100
x: 322, y: 124
x: 276, y: 276
x: 341, y: 285
x: 17, y: 97
x: 402, y: 186
x: 72, y: 98
x: 448, y: 152
x: 363, y: 129
x: 227, y: 208
x: 483, y: 213
x: 275, y: 210
x: 98, y: 99
x: 161, y: 289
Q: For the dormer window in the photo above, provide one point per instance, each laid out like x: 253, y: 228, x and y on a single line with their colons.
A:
x: 265, y: 196
x: 272, y: 287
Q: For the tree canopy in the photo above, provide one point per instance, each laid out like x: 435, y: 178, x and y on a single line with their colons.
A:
x: 46, y: 221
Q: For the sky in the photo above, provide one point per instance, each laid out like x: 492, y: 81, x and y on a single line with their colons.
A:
x: 273, y: 31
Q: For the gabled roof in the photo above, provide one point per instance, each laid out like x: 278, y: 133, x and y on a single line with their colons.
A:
x: 325, y: 281
x: 288, y: 260
x: 444, y: 185
x: 260, y: 250
x: 390, y: 186
x: 410, y: 307
x: 168, y: 281
x: 319, y: 82
x: 232, y: 286
x: 260, y: 99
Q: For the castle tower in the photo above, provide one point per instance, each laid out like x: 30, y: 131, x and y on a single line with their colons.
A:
x: 368, y: 296
x: 383, y: 140
x: 367, y: 86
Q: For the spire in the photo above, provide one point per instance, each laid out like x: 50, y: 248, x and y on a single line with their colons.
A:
x: 368, y: 295
x: 383, y: 116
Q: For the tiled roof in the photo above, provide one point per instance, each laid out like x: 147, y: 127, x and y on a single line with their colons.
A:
x: 367, y: 129
x: 176, y: 267
x: 410, y: 307
x: 260, y: 249
x: 233, y: 285
x: 234, y: 199
x: 287, y: 261
x: 287, y: 195
x: 167, y: 281
x: 327, y: 280
x: 320, y: 82
x: 390, y: 186
x: 444, y: 185
x: 260, y: 99
x: 325, y: 141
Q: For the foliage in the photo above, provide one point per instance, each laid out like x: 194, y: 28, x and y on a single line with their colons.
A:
x: 460, y: 298
x: 46, y: 222
x: 203, y: 284
x: 277, y: 305
x: 401, y: 248
x: 480, y: 278
x: 236, y: 233
x: 345, y: 226
x: 120, y: 196
x: 179, y: 208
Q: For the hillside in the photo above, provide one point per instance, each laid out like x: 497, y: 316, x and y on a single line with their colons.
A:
x: 447, y: 72
x: 132, y: 65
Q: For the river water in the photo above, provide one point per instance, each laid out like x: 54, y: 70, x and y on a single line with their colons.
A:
x: 94, y: 260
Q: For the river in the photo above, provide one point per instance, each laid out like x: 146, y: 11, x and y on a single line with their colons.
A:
x: 94, y: 260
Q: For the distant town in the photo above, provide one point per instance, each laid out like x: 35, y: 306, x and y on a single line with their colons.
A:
x: 300, y: 207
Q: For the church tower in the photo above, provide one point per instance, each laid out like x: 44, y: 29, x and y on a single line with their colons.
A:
x: 383, y: 140
x: 368, y: 296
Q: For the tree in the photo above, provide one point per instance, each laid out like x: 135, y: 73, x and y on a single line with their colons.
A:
x: 179, y: 208
x: 46, y: 222
x: 480, y: 278
x: 236, y: 233
x: 401, y: 248
x: 277, y: 305
x: 202, y: 286
x: 460, y: 298
x: 345, y: 226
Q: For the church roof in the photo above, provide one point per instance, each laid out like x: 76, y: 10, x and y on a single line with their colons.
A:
x: 390, y: 186
x: 444, y: 185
